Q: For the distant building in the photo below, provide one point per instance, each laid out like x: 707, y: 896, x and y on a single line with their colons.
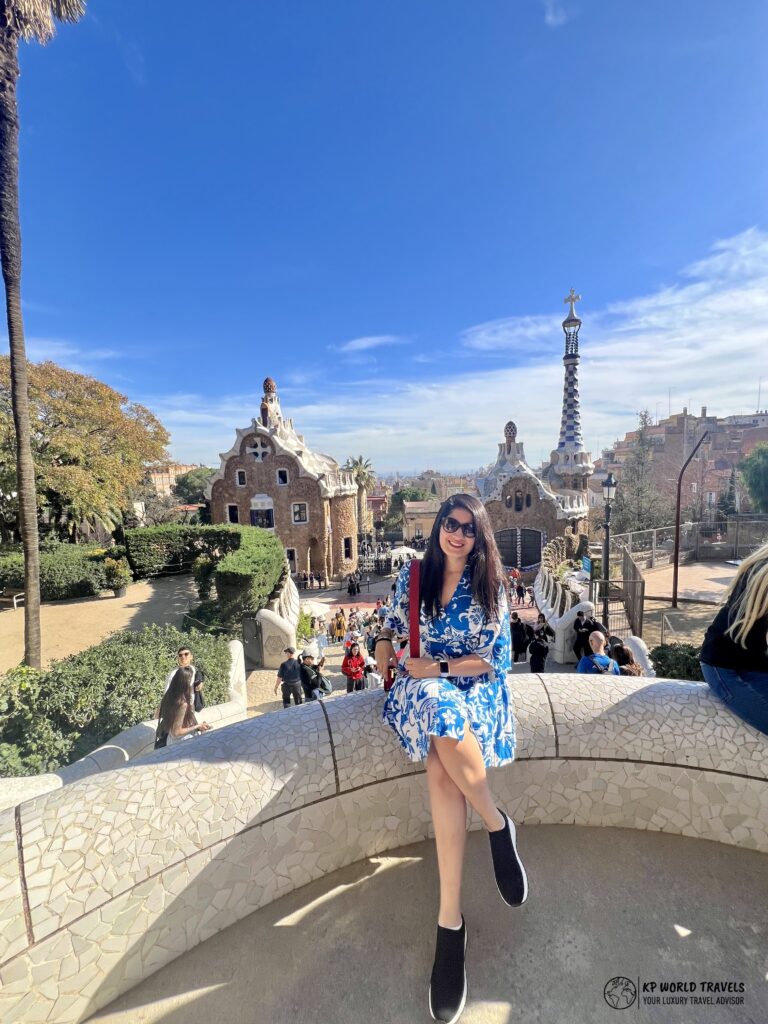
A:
x: 164, y: 477
x: 730, y: 439
x: 419, y: 518
x: 272, y: 479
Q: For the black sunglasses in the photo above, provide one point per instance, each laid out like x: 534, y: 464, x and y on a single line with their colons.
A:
x: 451, y: 525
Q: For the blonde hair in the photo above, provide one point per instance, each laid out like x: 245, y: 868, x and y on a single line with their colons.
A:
x: 752, y: 603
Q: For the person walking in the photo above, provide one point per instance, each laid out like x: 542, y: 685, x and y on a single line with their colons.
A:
x: 451, y: 709
x: 521, y: 637
x: 582, y: 630
x: 353, y: 667
x: 734, y: 655
x: 289, y: 678
x: 598, y: 662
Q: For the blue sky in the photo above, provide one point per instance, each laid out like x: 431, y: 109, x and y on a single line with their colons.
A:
x: 382, y: 206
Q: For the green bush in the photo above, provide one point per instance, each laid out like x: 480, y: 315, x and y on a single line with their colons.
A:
x: 677, y: 661
x: 116, y: 573
x: 67, y: 570
x: 156, y: 549
x: 50, y: 718
x: 246, y: 578
x: 203, y: 569
x: 304, y: 627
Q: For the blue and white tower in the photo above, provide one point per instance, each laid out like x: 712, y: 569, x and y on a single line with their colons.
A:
x: 570, y: 465
x: 570, y: 422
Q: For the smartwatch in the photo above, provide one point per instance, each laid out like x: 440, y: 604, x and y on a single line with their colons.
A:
x: 444, y: 669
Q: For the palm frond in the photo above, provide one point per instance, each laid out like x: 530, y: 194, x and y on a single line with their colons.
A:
x: 36, y: 19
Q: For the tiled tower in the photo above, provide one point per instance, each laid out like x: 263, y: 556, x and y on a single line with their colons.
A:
x: 570, y: 422
x: 570, y: 466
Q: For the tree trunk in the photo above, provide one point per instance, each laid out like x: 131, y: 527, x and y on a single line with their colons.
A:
x: 10, y: 254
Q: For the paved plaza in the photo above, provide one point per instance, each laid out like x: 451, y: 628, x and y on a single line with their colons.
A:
x: 68, y: 627
x: 357, y: 945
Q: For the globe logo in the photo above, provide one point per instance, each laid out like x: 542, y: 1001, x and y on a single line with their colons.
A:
x: 620, y: 993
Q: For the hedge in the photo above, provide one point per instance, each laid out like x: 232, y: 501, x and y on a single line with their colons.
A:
x: 49, y: 719
x: 153, y: 550
x: 66, y: 571
x: 246, y: 562
x: 677, y: 661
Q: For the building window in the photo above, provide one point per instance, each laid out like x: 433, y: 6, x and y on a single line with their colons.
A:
x: 233, y: 513
x: 348, y: 547
x: 518, y: 501
x: 282, y: 476
x: 694, y: 487
x: 241, y: 478
x: 527, y: 501
x: 300, y: 514
x: 263, y: 517
x: 290, y: 554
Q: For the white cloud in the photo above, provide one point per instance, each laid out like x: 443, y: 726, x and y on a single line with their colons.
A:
x: 364, y: 344
x: 510, y: 332
x: 555, y: 15
x: 58, y: 350
x: 704, y: 337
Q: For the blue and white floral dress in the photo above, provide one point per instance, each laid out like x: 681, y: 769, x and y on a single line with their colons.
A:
x: 420, y: 708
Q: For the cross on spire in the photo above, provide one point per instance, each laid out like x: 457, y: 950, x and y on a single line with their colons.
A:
x: 572, y: 298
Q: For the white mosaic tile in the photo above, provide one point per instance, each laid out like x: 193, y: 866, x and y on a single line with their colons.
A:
x: 13, y: 929
x: 140, y: 864
x: 211, y: 787
x: 652, y: 720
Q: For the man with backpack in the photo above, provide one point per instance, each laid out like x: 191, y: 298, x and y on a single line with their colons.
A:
x: 598, y: 662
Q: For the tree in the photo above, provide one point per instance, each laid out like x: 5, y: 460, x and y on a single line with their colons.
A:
x: 189, y: 488
x: 365, y: 478
x: 90, y: 445
x: 639, y: 505
x: 394, y: 517
x: 148, y: 508
x: 754, y: 469
x: 22, y: 19
x: 726, y: 502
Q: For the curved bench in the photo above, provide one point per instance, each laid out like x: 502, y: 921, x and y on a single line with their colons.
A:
x: 130, y: 743
x: 108, y: 879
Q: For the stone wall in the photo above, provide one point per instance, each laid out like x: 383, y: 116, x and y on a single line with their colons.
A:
x: 344, y: 522
x: 106, y: 880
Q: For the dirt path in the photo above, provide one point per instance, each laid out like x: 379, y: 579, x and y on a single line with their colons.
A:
x: 68, y: 627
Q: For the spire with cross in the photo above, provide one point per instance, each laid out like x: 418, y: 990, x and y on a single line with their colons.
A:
x: 572, y: 298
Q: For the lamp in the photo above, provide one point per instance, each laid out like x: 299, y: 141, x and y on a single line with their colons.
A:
x: 609, y: 493
x: 609, y: 487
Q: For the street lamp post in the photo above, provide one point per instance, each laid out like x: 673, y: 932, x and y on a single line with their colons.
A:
x: 676, y: 556
x: 609, y: 492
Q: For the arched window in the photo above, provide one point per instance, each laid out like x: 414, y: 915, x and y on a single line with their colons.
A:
x: 527, y: 501
x: 518, y: 501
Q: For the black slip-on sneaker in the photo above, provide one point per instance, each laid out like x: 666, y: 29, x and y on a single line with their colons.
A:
x: 511, y: 880
x: 448, y: 984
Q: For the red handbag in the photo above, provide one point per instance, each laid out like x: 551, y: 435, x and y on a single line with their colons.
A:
x: 414, y: 600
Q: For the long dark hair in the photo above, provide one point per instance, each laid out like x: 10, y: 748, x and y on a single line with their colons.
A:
x: 486, y: 570
x: 176, y: 698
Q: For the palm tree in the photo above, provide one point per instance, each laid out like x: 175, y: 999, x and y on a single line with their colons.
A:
x: 365, y: 478
x: 22, y: 19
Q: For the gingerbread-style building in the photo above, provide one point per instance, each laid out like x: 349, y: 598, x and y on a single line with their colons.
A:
x: 272, y: 479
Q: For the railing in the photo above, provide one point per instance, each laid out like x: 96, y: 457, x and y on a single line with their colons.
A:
x: 719, y: 540
x: 623, y: 599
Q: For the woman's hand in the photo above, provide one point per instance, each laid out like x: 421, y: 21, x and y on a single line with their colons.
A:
x: 385, y: 657
x: 422, y: 668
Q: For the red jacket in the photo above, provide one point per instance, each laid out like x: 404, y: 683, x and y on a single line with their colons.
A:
x: 353, y: 666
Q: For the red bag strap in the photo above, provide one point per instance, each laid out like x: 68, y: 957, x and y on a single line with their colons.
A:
x: 414, y: 600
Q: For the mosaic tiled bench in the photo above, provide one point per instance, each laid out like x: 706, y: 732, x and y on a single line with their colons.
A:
x: 104, y: 881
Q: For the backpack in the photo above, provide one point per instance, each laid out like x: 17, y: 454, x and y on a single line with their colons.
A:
x: 608, y: 670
